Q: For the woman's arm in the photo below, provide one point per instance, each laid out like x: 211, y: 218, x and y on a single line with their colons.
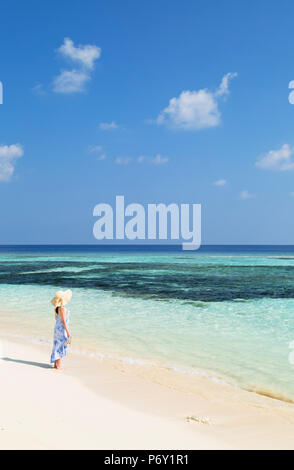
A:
x: 62, y: 313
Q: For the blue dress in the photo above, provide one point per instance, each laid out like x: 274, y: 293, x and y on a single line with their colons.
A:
x: 60, y: 338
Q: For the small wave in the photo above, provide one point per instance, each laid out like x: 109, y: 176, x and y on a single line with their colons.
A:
x: 199, y: 374
x: 125, y: 359
x: 269, y: 394
x: 258, y: 389
x: 145, y: 362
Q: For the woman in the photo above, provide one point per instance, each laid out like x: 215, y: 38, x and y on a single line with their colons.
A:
x: 62, y: 335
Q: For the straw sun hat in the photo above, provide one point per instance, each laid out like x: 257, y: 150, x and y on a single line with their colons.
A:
x: 62, y: 297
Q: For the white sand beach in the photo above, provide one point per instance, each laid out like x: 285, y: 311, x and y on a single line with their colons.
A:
x: 106, y: 404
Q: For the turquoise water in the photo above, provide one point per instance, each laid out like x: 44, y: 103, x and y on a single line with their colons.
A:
x: 228, y: 314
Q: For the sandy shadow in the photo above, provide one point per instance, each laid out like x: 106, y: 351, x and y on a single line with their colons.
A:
x: 28, y: 363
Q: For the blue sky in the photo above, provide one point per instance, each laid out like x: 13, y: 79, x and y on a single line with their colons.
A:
x: 103, y: 98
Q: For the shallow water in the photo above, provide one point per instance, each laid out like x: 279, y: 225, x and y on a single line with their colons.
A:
x: 228, y: 313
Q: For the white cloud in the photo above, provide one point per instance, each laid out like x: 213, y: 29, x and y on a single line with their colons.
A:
x: 8, y: 155
x: 157, y: 160
x: 95, y: 148
x: 123, y: 160
x: 39, y: 89
x: 223, y: 89
x: 70, y: 81
x: 84, y: 55
x: 98, y: 150
x: 195, y: 110
x: 246, y: 194
x: 73, y: 81
x: 107, y: 126
x: 220, y: 183
x: 277, y: 160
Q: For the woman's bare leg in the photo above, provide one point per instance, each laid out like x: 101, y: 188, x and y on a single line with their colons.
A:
x: 57, y: 364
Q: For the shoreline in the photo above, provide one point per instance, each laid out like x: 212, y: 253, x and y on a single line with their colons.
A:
x: 127, y: 360
x: 170, y: 410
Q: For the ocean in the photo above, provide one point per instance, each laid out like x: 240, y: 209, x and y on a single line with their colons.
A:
x: 226, y: 312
